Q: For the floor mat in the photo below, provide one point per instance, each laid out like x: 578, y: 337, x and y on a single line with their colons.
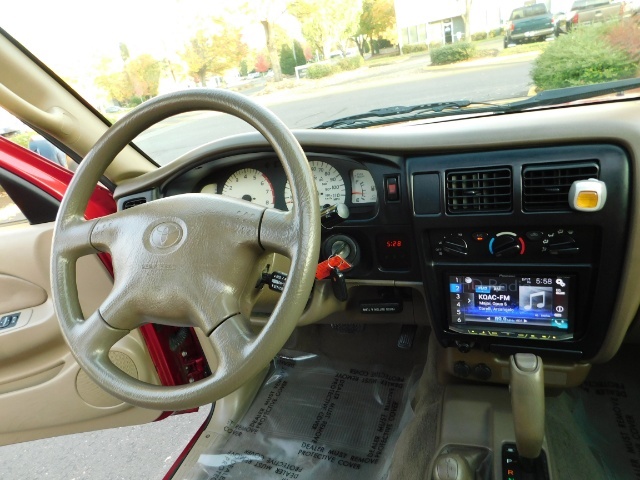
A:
x: 316, y: 418
x: 607, y: 409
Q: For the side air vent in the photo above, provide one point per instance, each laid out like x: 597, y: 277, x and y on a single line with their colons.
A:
x: 132, y: 202
x: 545, y: 188
x: 479, y: 191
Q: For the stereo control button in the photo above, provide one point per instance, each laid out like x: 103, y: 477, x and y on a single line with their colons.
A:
x: 480, y: 236
x: 535, y: 235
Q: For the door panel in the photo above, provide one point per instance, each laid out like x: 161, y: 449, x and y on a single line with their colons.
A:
x: 18, y: 294
x: 43, y: 392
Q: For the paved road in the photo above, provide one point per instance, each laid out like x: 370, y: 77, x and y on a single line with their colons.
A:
x: 129, y: 453
x: 401, y: 84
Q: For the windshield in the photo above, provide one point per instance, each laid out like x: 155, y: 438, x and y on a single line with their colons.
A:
x: 315, y: 61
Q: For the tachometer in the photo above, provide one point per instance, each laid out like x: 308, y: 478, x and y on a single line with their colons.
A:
x: 329, y: 183
x: 251, y: 185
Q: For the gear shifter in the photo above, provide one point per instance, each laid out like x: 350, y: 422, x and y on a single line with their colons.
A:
x: 527, y: 403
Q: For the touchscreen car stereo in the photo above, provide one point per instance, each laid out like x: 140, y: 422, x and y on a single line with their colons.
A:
x: 537, y: 307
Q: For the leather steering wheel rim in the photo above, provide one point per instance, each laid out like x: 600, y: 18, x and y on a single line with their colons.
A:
x: 166, y: 242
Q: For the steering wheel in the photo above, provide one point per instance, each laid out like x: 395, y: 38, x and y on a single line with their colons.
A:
x: 186, y: 260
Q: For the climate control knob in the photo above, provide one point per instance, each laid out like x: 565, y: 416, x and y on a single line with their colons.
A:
x: 506, y: 244
x: 454, y: 245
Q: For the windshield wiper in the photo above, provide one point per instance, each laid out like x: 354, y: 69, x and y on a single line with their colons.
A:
x: 571, y: 94
x: 380, y: 116
x: 401, y: 113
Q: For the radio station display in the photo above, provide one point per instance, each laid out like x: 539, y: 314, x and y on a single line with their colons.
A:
x: 509, y: 304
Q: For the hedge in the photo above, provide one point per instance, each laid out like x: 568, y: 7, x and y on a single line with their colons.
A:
x: 320, y: 70
x: 417, y: 47
x: 455, y: 52
x: 582, y: 57
x: 350, y: 63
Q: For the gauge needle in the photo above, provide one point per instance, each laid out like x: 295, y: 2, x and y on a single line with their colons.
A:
x: 356, y: 193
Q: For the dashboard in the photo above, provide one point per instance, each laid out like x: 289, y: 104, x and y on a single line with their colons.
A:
x: 463, y: 225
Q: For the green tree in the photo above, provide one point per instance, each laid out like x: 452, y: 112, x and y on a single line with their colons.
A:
x: 244, y: 67
x: 377, y: 17
x: 327, y: 23
x: 290, y: 58
x: 124, y: 52
x: 213, y: 53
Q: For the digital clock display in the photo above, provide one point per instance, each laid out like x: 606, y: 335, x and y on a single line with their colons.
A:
x: 394, y: 243
x: 393, y: 251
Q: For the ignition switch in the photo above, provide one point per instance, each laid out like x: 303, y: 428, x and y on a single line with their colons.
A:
x: 342, y: 245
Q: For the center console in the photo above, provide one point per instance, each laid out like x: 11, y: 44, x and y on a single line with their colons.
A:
x: 508, y: 265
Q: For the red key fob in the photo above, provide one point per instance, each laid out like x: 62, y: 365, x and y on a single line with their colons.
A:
x: 324, y: 268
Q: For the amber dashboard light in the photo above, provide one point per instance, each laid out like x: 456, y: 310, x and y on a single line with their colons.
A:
x: 588, y: 195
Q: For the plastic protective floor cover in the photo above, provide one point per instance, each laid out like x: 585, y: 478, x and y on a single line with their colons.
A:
x: 315, y: 418
x: 606, y: 409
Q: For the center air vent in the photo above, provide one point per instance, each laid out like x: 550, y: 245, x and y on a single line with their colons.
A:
x: 545, y: 188
x: 132, y: 202
x: 479, y: 191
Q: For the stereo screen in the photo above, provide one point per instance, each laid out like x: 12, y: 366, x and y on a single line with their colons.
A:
x: 506, y: 305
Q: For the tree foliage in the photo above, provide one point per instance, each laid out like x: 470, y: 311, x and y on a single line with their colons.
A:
x: 377, y: 17
x: 144, y: 74
x: 139, y: 77
x: 327, y: 23
x: 290, y: 58
x: 213, y: 53
x: 262, y: 63
x: 114, y: 82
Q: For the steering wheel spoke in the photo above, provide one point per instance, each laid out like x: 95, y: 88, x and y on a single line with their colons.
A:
x: 231, y: 342
x: 73, y: 240
x: 279, y: 232
x: 95, y: 337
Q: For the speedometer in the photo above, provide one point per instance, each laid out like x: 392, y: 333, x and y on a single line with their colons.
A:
x: 251, y: 185
x: 329, y: 183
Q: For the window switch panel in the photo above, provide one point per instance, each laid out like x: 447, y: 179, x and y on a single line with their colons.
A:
x: 9, y: 321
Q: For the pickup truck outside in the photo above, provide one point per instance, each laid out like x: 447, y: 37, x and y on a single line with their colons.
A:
x: 586, y: 12
x: 531, y: 23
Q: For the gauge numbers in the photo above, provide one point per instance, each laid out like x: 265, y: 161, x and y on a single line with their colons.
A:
x: 251, y: 185
x: 329, y: 183
x: 363, y: 188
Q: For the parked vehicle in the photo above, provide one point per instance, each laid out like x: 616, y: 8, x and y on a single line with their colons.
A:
x: 587, y: 12
x: 531, y: 23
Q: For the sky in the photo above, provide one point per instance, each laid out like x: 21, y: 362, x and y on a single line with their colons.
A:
x: 70, y: 35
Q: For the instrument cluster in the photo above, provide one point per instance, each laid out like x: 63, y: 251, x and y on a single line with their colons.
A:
x: 264, y: 182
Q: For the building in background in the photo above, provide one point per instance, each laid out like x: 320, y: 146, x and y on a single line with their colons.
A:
x: 439, y: 22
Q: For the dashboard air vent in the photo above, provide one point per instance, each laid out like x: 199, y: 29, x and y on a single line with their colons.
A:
x: 545, y: 188
x: 479, y: 191
x: 132, y: 202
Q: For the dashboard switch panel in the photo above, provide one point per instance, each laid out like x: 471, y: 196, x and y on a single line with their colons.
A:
x: 548, y: 244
